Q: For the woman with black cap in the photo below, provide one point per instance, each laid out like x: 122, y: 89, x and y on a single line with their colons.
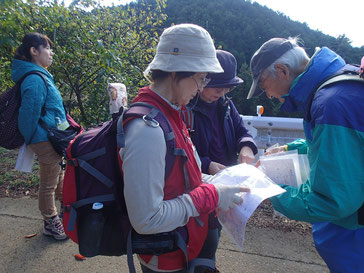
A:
x: 218, y: 132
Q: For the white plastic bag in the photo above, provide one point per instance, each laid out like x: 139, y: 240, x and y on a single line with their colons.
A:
x: 261, y: 187
x: 25, y: 160
x: 118, y: 97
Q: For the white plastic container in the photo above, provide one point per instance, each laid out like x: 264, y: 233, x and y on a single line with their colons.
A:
x: 289, y: 168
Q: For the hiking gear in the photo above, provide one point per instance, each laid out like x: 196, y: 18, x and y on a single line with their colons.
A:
x: 228, y: 78
x: 92, y: 169
x: 35, y: 94
x: 91, y: 172
x: 53, y: 227
x: 185, y: 48
x: 10, y: 101
x: 343, y: 75
x: 267, y: 54
x: 60, y: 139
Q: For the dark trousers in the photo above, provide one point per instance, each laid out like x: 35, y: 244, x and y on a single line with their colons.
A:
x: 208, y: 251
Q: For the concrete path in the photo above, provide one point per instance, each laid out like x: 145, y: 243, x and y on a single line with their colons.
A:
x: 265, y: 250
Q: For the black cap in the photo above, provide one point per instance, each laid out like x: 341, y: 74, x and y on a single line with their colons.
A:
x: 267, y: 54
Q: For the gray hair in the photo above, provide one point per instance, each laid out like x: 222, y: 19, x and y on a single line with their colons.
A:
x: 295, y: 59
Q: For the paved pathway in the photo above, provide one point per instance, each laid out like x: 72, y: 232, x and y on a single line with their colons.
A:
x: 265, y: 250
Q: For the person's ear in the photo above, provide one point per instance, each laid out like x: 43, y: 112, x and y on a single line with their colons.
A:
x: 282, y: 71
x: 33, y: 51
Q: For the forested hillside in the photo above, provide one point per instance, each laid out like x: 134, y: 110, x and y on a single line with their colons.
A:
x: 96, y: 45
x: 241, y: 27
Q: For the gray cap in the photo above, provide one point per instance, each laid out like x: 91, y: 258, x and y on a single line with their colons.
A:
x: 267, y: 54
x: 185, y: 48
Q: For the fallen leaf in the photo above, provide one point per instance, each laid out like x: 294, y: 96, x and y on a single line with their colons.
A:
x: 79, y: 257
x: 30, y: 235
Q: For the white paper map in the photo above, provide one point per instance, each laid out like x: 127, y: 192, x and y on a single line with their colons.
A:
x: 261, y: 187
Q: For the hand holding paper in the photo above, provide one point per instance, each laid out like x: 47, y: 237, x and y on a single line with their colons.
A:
x: 227, y: 196
x: 261, y: 187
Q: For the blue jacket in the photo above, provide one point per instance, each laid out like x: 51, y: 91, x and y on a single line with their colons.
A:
x: 34, y: 96
x: 334, y: 129
x: 235, y: 133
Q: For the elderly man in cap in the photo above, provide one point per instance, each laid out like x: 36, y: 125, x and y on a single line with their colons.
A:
x: 332, y: 198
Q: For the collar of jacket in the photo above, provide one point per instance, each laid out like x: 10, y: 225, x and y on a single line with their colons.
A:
x: 197, y: 106
x: 323, y: 64
x: 19, y: 68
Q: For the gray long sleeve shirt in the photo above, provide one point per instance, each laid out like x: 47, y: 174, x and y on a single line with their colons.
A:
x: 144, y: 167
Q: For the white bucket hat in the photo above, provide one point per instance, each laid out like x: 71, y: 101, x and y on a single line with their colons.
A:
x: 185, y: 48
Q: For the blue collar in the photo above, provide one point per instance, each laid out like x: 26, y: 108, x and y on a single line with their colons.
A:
x: 324, y: 63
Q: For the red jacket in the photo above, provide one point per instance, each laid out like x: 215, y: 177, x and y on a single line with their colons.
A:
x: 175, y: 184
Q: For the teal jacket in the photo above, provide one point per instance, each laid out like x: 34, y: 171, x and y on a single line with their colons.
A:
x: 334, y: 129
x: 34, y: 96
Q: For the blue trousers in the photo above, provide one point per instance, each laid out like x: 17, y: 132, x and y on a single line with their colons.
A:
x: 342, y: 249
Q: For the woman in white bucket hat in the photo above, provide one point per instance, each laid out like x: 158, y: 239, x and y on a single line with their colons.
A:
x: 179, y: 201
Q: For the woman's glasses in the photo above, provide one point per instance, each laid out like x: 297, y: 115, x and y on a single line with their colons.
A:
x: 204, y: 82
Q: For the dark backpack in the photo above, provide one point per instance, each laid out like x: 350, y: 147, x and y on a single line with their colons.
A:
x: 93, y: 175
x: 10, y: 101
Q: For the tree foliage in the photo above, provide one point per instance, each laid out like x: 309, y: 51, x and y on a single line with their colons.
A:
x: 93, y: 46
x: 96, y: 45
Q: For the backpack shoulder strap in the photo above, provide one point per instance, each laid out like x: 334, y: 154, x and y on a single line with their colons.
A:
x: 348, y: 73
x: 33, y: 72
x: 338, y: 78
x: 40, y: 74
x: 152, y: 116
x: 188, y: 118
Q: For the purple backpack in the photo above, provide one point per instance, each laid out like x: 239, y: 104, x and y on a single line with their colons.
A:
x: 93, y: 175
x: 10, y: 101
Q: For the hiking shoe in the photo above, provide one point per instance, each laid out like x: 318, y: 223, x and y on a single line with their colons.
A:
x: 54, y: 227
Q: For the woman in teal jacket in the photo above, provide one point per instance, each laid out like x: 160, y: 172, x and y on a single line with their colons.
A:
x: 35, y: 54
